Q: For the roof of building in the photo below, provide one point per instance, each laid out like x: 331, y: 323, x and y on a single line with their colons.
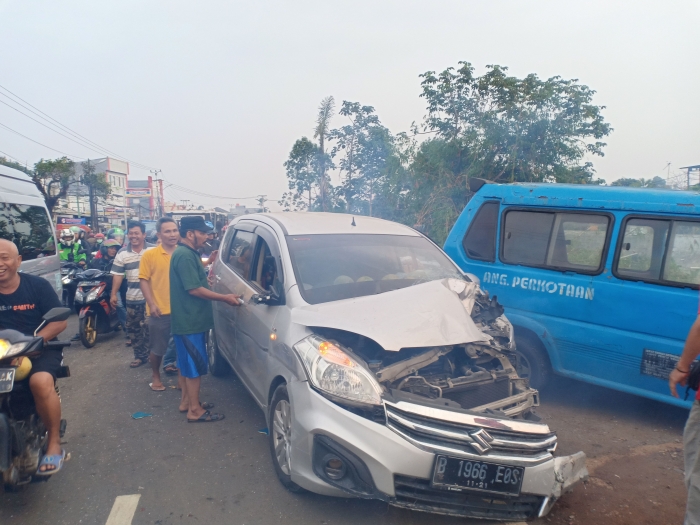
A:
x: 310, y: 223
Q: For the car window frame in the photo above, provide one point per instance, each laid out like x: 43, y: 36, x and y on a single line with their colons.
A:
x: 495, y: 233
x: 253, y: 243
x: 606, y: 245
x: 620, y: 239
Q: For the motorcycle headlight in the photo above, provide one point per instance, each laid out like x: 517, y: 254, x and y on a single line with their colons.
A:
x: 79, y: 295
x: 8, y: 350
x: 93, y: 295
x: 66, y: 280
x: 332, y: 370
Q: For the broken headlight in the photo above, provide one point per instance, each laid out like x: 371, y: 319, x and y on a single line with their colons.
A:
x: 332, y: 370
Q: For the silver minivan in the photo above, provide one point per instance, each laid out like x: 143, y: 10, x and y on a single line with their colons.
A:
x: 25, y: 220
x: 384, y: 371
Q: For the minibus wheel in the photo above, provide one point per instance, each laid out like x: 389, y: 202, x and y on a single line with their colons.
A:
x: 533, y: 362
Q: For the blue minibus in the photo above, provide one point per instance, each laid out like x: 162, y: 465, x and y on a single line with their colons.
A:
x: 600, y: 283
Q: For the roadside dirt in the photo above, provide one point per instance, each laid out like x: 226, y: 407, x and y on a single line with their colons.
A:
x: 634, y: 456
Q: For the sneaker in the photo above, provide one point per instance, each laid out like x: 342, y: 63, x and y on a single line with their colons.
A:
x: 76, y: 337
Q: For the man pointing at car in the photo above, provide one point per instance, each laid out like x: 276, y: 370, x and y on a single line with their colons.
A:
x: 191, y: 314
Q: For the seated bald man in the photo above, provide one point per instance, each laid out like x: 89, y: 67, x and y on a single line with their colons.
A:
x: 24, y: 299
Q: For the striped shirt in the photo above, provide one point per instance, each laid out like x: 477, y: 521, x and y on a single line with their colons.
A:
x: 127, y: 263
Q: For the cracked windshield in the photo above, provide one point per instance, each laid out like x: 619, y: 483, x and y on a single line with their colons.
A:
x: 352, y: 262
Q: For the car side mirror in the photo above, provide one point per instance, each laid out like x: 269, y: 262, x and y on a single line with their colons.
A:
x: 56, y: 314
x: 269, y: 297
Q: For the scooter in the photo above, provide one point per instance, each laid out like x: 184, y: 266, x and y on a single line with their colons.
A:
x: 96, y: 315
x: 68, y: 272
x: 23, y: 436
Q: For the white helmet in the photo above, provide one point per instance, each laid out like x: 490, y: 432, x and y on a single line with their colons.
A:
x: 67, y: 237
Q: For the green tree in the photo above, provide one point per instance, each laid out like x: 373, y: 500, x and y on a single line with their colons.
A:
x: 657, y: 182
x: 365, y: 149
x: 53, y: 178
x: 323, y: 122
x: 302, y: 176
x: 515, y: 130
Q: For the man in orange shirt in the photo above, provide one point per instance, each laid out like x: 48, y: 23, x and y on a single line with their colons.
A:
x: 154, y: 276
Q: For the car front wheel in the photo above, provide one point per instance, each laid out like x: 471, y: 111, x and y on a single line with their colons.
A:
x: 280, y: 437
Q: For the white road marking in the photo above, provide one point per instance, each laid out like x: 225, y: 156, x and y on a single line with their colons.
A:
x: 123, y: 510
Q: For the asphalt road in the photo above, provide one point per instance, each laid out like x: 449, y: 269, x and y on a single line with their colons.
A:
x: 222, y: 473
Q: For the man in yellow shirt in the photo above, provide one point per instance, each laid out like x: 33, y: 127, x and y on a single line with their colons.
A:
x: 154, y: 276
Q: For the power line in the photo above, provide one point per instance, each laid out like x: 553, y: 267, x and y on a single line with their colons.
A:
x: 45, y: 116
x: 202, y: 194
x: 49, y: 127
x: 40, y: 144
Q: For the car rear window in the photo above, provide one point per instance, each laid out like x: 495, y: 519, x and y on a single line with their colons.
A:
x: 29, y: 227
x: 480, y: 240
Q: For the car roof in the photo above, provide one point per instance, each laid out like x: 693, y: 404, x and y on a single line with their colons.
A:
x: 593, y: 196
x: 320, y: 223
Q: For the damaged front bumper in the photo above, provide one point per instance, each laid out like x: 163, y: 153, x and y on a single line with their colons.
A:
x: 397, y: 466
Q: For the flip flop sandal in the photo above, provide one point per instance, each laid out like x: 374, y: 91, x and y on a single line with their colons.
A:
x: 55, y: 460
x: 207, y: 417
x: 171, y: 370
x: 139, y: 361
x: 157, y: 389
x: 205, y: 406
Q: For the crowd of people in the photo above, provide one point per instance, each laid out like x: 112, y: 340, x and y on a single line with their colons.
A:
x: 167, y: 310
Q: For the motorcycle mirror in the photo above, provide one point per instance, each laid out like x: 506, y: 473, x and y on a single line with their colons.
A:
x: 56, y: 314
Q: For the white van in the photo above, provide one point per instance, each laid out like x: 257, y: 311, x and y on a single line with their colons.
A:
x: 25, y: 220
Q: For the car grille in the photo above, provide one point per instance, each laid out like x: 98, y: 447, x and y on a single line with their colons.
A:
x: 417, y: 494
x: 468, y: 435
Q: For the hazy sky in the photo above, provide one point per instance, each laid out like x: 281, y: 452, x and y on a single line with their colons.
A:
x: 215, y: 93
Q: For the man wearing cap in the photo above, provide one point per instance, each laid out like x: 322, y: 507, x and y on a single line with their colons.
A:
x: 191, y: 314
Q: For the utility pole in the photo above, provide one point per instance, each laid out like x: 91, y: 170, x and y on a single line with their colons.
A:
x: 261, y: 201
x: 157, y: 188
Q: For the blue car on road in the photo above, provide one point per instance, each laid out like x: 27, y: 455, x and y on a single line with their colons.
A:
x: 600, y: 283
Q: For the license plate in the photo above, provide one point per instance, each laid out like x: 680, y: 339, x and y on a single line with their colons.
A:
x: 462, y: 474
x: 90, y: 283
x: 7, y: 379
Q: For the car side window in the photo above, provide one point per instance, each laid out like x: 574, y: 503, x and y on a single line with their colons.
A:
x: 661, y: 251
x: 265, y: 270
x: 683, y: 260
x: 30, y: 228
x: 526, y: 237
x: 240, y: 253
x: 557, y: 240
x: 480, y: 240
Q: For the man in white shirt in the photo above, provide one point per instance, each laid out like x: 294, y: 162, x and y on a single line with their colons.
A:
x: 126, y: 264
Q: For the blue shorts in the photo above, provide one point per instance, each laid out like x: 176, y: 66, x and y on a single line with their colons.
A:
x: 192, y: 357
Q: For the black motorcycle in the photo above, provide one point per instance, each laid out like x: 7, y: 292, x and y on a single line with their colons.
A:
x: 23, y: 436
x: 96, y: 314
x: 69, y: 270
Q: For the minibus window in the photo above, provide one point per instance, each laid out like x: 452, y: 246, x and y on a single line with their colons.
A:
x: 480, y: 240
x: 642, y: 249
x: 526, y: 237
x: 683, y: 259
x: 30, y: 228
x: 579, y: 241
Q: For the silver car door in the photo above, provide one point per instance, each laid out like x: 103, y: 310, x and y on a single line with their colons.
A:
x: 229, y: 278
x: 258, y: 323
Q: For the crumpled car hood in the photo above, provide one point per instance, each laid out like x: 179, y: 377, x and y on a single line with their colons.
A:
x: 436, y: 313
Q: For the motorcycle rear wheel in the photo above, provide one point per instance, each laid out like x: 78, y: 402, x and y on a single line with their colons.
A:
x: 88, y: 330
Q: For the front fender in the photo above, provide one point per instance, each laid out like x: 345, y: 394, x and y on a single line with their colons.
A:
x: 83, y: 311
x: 540, y: 331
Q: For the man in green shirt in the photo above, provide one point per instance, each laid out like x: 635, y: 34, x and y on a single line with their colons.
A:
x: 191, y: 314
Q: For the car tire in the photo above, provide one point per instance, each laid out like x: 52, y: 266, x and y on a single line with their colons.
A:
x: 218, y: 366
x: 279, y: 424
x: 533, y: 362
